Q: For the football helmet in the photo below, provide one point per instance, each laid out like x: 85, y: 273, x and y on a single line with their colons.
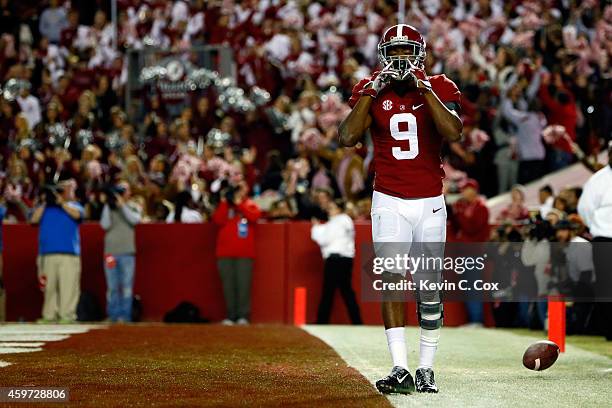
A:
x: 405, y: 36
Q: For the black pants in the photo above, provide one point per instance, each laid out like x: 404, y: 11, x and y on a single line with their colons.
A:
x: 602, y: 261
x: 530, y: 170
x: 337, y: 274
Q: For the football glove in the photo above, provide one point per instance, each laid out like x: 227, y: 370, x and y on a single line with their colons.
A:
x: 372, y: 88
x: 418, y: 77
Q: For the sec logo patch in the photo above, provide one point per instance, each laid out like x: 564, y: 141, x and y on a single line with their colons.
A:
x: 387, y: 105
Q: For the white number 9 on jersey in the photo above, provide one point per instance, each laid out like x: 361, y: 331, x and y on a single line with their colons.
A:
x: 410, y: 135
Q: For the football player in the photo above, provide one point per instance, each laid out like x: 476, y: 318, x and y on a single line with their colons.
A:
x: 409, y: 116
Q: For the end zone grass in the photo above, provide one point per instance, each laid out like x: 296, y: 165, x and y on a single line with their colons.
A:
x: 480, y: 368
x: 193, y: 365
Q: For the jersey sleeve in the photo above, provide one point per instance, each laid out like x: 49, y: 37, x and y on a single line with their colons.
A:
x: 446, y: 89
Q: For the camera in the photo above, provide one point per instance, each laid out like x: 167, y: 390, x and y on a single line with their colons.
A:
x: 111, y: 192
x: 229, y: 193
x: 50, y: 191
x: 540, y: 229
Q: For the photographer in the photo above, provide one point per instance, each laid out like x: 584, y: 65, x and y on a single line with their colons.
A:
x: 119, y: 218
x: 236, y: 249
x: 336, y: 238
x: 535, y: 253
x: 59, y: 262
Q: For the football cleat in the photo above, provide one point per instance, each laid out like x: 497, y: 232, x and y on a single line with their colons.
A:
x: 400, y: 381
x: 425, y: 381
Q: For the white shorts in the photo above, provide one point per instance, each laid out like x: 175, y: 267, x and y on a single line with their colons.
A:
x: 408, y: 223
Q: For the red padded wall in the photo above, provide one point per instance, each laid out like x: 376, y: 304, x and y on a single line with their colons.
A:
x: 23, y: 297
x: 176, y: 262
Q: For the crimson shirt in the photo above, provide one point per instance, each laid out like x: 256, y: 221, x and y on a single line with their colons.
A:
x: 406, y: 143
x: 229, y: 243
x: 471, y: 221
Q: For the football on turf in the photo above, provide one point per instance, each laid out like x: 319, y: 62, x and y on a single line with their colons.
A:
x: 540, y: 355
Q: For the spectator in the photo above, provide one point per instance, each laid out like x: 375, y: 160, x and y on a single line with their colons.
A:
x: 571, y: 197
x: 52, y: 21
x: 554, y: 216
x: 119, y: 218
x: 470, y: 219
x: 235, y: 250
x: 281, y: 210
x: 505, y: 156
x: 561, y: 110
x: 595, y: 207
x: 59, y: 262
x: 30, y: 106
x: 516, y: 211
x: 184, y: 210
x: 547, y: 198
x: 529, y: 125
x: 470, y: 216
x: 337, y: 241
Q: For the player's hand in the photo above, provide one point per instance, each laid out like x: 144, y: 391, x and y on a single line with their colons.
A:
x: 383, y: 78
x: 417, y: 77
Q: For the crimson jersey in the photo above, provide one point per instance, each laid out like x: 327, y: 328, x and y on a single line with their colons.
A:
x: 407, y: 145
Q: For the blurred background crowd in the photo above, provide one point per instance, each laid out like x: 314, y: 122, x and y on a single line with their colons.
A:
x: 535, y: 82
x: 535, y: 78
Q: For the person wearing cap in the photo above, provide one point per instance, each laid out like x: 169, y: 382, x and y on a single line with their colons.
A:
x: 120, y: 216
x: 470, y: 219
x: 470, y: 223
x: 59, y: 247
x: 595, y: 208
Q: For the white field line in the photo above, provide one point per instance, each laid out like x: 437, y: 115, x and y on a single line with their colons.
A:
x: 47, y: 328
x: 13, y: 350
x: 30, y: 338
x: 19, y: 344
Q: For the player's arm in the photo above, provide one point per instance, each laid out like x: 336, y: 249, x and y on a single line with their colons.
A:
x: 354, y: 126
x: 444, y: 116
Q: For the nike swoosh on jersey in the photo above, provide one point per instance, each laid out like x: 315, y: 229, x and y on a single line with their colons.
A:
x: 415, y: 107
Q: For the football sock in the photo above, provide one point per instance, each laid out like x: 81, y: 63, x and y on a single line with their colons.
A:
x: 429, y: 345
x: 397, y: 346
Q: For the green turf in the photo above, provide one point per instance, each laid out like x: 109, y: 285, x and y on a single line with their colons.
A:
x: 596, y: 344
x: 481, y: 368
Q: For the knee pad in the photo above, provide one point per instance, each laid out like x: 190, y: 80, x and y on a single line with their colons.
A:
x: 431, y: 315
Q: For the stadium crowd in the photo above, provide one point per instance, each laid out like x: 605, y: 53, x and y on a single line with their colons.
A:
x: 535, y: 78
